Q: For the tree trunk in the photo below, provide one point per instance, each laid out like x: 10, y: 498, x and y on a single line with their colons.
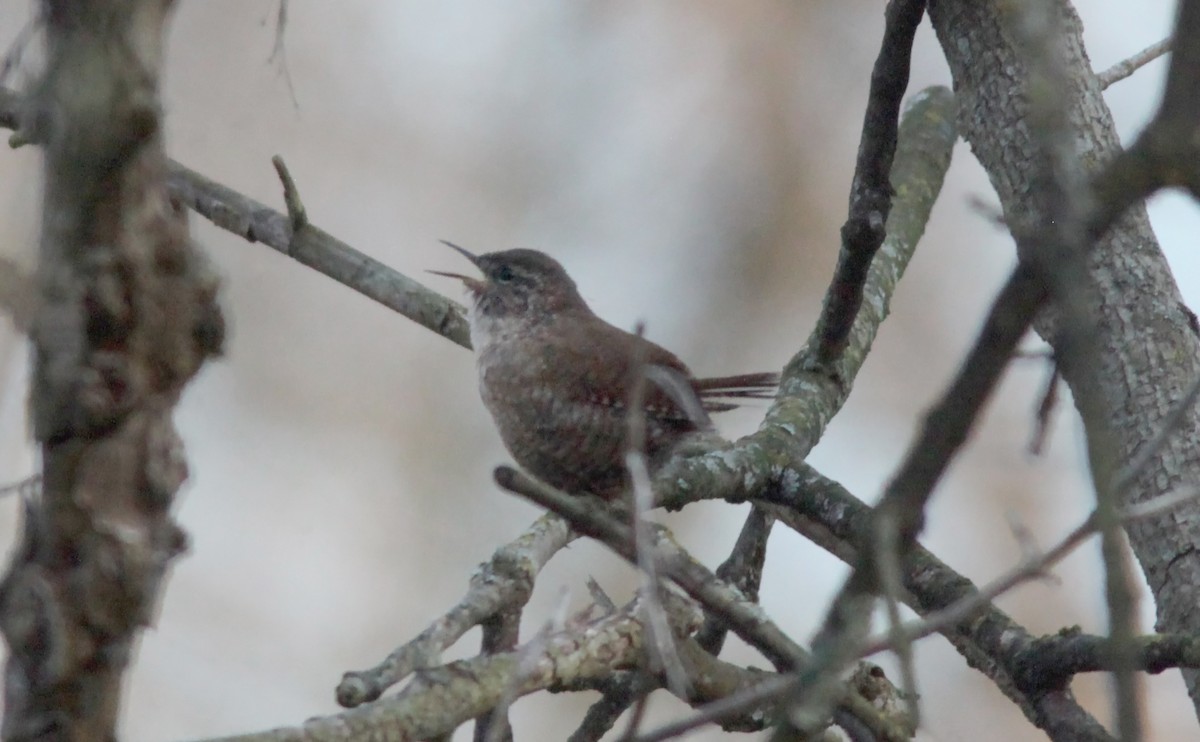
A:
x: 126, y: 317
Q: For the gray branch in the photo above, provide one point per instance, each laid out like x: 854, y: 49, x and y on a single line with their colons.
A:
x: 502, y: 584
x: 1151, y: 353
x: 440, y: 699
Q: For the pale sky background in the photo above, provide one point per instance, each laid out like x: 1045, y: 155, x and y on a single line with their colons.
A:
x: 689, y: 163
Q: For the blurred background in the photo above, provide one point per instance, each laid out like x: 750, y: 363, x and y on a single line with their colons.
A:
x: 689, y: 163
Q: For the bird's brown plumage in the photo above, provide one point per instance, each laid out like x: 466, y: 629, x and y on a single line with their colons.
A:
x: 557, y: 379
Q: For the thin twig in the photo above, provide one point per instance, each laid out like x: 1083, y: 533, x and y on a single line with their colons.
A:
x: 725, y: 708
x: 870, y: 202
x: 1032, y: 566
x: 497, y: 729
x: 881, y: 726
x: 1055, y: 244
x: 871, y: 191
x: 743, y: 569
x: 1127, y: 67
x: 589, y: 516
x: 1045, y: 409
x: 635, y: 718
x: 297, y: 214
x: 891, y: 581
x: 255, y: 221
x: 833, y: 518
x: 944, y: 432
x: 599, y: 597
x: 26, y: 488
x: 279, y: 51
x: 501, y: 633
x: 12, y: 58
x: 641, y: 496
x: 1158, y: 505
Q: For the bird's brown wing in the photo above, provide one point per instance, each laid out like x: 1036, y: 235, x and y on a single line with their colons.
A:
x: 603, y: 370
x: 604, y: 366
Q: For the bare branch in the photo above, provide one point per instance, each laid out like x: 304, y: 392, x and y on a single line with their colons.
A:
x: 590, y: 516
x: 504, y: 582
x: 871, y: 192
x: 743, y: 570
x: 315, y: 248
x: 297, y: 214
x: 1055, y: 243
x: 902, y: 507
x: 946, y: 427
x: 1164, y: 154
x: 718, y: 711
x: 1032, y: 566
x: 891, y: 580
x: 1045, y: 409
x: 624, y: 691
x: 439, y: 699
x: 1127, y: 67
x: 751, y: 695
x: 27, y: 489
x: 1053, y: 660
x: 501, y: 633
x: 823, y: 511
x: 493, y: 726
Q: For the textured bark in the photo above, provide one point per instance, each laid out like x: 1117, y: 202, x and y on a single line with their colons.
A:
x: 439, y: 699
x: 1150, y: 353
x: 126, y: 317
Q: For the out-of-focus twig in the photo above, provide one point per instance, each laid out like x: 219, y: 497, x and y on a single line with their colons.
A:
x: 1127, y: 67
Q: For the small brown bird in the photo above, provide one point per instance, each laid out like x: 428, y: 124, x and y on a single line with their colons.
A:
x: 557, y: 379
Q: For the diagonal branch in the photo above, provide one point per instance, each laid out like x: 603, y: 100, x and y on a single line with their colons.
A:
x: 1055, y: 243
x: 319, y: 250
x: 1142, y: 373
x: 439, y: 699
x: 1127, y: 67
x: 946, y: 428
x: 871, y: 190
x: 502, y: 584
x: 589, y: 516
x: 834, y: 519
x: 862, y: 236
x: 254, y: 221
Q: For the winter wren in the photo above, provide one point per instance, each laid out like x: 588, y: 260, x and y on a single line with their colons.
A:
x: 557, y: 378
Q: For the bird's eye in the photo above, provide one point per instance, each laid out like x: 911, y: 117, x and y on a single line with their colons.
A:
x: 504, y: 274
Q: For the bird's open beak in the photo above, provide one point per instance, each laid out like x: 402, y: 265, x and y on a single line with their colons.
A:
x: 475, y: 285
